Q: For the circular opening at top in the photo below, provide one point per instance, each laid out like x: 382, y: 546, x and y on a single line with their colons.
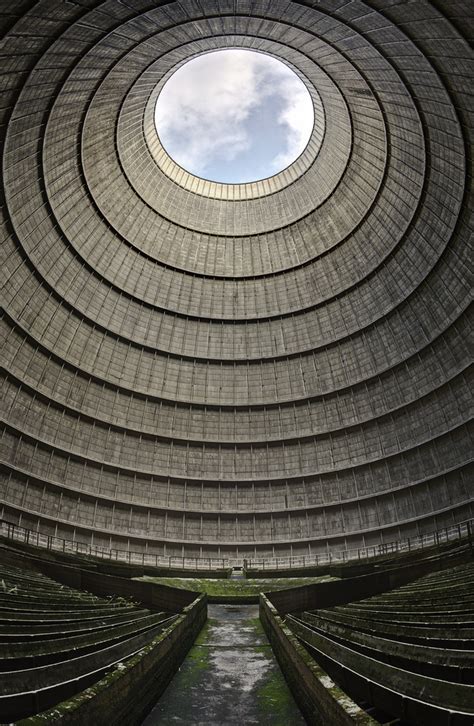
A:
x: 234, y: 116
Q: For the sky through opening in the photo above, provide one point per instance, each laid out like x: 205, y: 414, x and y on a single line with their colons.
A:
x: 234, y: 116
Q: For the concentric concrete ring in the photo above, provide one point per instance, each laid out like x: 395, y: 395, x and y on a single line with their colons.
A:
x: 266, y: 369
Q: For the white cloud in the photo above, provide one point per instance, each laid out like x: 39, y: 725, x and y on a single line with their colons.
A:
x: 203, y: 112
x: 298, y: 119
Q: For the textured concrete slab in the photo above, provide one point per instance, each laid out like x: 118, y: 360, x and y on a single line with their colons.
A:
x: 229, y: 677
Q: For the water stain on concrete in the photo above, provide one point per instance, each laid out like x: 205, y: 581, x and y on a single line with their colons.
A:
x: 230, y: 676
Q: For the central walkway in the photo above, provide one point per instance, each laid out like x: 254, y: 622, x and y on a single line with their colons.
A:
x: 230, y: 676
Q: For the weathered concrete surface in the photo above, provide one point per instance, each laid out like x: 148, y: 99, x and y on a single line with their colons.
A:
x: 229, y: 677
x: 321, y: 700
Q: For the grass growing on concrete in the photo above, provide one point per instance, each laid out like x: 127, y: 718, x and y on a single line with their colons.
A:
x: 235, y: 588
x: 197, y: 660
x: 275, y: 700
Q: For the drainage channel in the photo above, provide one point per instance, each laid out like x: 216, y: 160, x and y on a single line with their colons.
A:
x: 230, y: 676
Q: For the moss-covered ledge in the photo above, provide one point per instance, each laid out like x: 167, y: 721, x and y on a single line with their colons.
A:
x: 321, y: 701
x: 233, y: 592
x: 125, y: 695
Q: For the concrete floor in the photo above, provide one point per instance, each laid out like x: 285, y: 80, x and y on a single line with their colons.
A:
x: 230, y: 676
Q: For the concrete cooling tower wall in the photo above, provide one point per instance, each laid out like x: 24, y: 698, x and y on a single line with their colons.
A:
x: 264, y: 369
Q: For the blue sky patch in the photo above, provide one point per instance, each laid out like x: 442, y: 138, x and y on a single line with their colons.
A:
x: 234, y: 116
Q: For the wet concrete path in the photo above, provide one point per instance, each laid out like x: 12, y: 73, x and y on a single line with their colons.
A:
x: 229, y: 677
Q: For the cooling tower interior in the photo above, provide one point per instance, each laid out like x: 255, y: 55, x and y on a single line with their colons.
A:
x: 261, y: 370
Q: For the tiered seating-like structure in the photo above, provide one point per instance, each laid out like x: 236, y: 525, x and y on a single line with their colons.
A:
x: 405, y: 656
x: 56, y: 641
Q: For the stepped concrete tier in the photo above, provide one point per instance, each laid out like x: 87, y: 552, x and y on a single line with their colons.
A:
x: 99, y: 651
x: 208, y: 370
x: 391, y: 647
